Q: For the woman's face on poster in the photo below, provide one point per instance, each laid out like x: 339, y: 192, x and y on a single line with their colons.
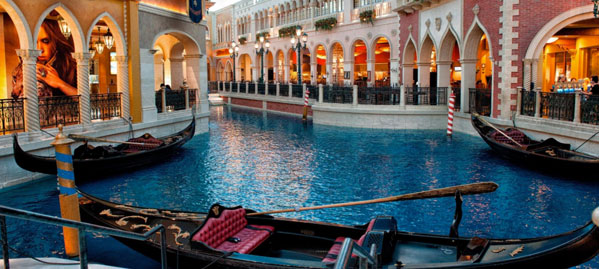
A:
x: 45, y: 44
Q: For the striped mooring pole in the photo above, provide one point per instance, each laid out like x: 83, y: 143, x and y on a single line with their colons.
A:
x: 450, y: 114
x: 306, y: 97
x: 68, y: 197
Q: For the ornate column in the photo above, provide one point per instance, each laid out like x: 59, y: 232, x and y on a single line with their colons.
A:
x: 176, y: 73
x: 370, y: 68
x: 287, y: 74
x: 394, y: 72
x: 527, y: 74
x: 535, y: 73
x: 330, y: 73
x: 197, y: 79
x: 84, y: 91
x: 408, y: 75
x: 32, y: 118
x: 348, y: 66
x: 443, y: 73
x: 122, y: 78
x: 147, y: 92
x: 424, y: 74
x: 468, y: 81
x: 313, y: 73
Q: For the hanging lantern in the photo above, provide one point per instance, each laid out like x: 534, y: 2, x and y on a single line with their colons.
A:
x: 99, y: 45
x: 108, y: 40
x: 64, y: 28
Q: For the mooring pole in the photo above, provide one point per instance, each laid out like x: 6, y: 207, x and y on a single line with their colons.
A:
x: 68, y: 198
x: 4, y: 241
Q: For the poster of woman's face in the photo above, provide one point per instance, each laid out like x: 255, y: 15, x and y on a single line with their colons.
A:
x: 56, y: 70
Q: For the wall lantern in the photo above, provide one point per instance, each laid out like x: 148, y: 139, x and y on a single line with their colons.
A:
x: 108, y: 40
x: 64, y: 27
x: 99, y: 45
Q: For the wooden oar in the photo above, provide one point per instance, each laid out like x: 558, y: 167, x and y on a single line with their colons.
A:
x: 95, y: 139
x: 474, y: 188
x: 497, y: 129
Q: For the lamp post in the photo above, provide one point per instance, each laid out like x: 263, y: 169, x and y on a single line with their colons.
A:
x: 234, y: 51
x: 261, y: 48
x: 595, y: 7
x: 297, y: 46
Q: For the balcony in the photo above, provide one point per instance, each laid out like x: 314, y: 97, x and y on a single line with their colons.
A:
x: 410, y: 6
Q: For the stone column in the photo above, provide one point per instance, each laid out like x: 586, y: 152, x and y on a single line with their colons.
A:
x: 468, y: 81
x: 577, y: 102
x: 176, y: 73
x: 320, y: 93
x: 537, y: 103
x: 313, y: 73
x: 443, y: 73
x: 197, y: 78
x: 370, y: 68
x: 123, y: 85
x: 32, y: 118
x: 83, y: 89
x: 148, y: 93
x: 329, y: 73
x: 535, y: 73
x: 348, y: 66
x: 527, y: 74
x: 394, y: 72
x: 287, y: 74
x: 424, y: 74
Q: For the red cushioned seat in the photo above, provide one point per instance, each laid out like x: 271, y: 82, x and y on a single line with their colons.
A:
x: 331, y: 256
x: 231, y: 223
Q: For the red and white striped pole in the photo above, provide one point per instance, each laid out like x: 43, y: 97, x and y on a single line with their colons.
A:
x: 450, y: 114
x: 306, y: 97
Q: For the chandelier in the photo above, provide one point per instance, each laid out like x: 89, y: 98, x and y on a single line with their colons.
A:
x: 64, y: 27
x: 108, y: 40
x: 98, y: 44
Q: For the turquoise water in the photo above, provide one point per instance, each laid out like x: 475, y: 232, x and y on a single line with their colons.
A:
x: 267, y: 161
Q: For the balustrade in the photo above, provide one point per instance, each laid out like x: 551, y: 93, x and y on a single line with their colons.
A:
x: 12, y: 115
x: 272, y: 89
x: 557, y: 106
x: 105, y: 106
x: 337, y: 94
x: 379, y: 95
x: 480, y: 101
x: 297, y: 90
x: 58, y: 110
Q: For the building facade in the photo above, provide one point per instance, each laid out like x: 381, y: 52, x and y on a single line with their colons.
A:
x: 90, y: 64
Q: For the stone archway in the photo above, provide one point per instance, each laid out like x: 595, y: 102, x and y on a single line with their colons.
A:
x: 381, y: 62
x: 448, y: 65
x: 409, y: 64
x: 360, y: 59
x: 335, y: 68
x: 427, y: 63
x: 320, y: 65
x: 477, y: 65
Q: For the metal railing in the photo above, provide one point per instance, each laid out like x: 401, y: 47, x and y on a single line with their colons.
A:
x: 528, y: 104
x: 251, y: 87
x: 458, y: 98
x: 284, y: 90
x: 297, y: 90
x: 272, y: 89
x: 174, y: 99
x: 105, y: 106
x: 192, y: 96
x: 313, y: 91
x: 351, y: 247
x: 559, y: 106
x: 212, y: 86
x: 12, y: 115
x: 426, y: 96
x: 227, y: 86
x: 82, y: 228
x: 480, y: 101
x: 337, y: 94
x: 261, y: 88
x: 379, y: 95
x: 589, y: 110
x: 58, y: 110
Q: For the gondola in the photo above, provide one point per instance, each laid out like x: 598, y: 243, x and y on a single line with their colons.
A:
x: 233, y: 238
x: 548, y: 155
x: 102, y: 161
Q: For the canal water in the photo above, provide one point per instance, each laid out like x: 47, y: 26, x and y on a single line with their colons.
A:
x: 266, y: 161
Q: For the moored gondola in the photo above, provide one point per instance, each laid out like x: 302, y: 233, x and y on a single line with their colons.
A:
x: 107, y: 160
x: 549, y: 155
x: 234, y: 238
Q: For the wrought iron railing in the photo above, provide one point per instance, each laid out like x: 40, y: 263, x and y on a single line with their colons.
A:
x: 426, y: 96
x: 589, y: 109
x: 458, y: 98
x: 251, y: 88
x: 261, y: 88
x: 337, y: 94
x: 297, y: 90
x: 272, y: 89
x: 227, y: 86
x: 313, y: 91
x: 105, y: 106
x: 559, y: 106
x: 192, y: 96
x: 439, y: 96
x: 237, y: 87
x: 213, y: 86
x: 284, y: 90
x: 175, y: 100
x: 58, y: 110
x: 528, y: 103
x: 158, y: 100
x: 480, y: 101
x: 379, y: 95
x: 12, y: 115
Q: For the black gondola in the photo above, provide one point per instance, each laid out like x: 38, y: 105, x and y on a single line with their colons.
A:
x: 231, y: 238
x: 108, y: 160
x: 548, y: 155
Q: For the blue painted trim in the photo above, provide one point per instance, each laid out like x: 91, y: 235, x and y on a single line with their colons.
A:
x: 66, y: 190
x: 65, y: 158
x: 70, y: 175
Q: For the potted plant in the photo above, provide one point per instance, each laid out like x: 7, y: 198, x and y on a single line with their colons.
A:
x: 264, y: 34
x: 325, y: 24
x: 287, y: 31
x: 367, y: 16
x: 242, y: 40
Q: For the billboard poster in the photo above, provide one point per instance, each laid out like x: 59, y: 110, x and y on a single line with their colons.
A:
x: 195, y: 10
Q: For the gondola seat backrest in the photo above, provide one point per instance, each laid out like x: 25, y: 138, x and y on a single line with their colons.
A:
x: 146, y: 141
x: 227, y: 229
x: 331, y: 256
x: 514, y: 134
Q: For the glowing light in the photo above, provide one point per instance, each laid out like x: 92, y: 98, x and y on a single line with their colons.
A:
x: 552, y: 39
x: 64, y: 28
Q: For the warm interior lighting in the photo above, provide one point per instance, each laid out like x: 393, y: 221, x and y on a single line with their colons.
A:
x: 261, y: 38
x: 267, y: 44
x: 298, y: 31
x: 64, y: 27
x: 256, y: 45
x: 99, y: 45
x: 552, y: 39
x: 108, y: 40
x: 230, y: 51
x: 293, y: 40
x: 92, y: 52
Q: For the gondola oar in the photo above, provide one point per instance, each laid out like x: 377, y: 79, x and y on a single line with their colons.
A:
x: 95, y: 139
x: 473, y: 188
x: 497, y: 129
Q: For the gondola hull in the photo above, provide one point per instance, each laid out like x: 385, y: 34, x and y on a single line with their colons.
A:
x: 547, y: 156
x: 306, y: 244
x: 86, y: 169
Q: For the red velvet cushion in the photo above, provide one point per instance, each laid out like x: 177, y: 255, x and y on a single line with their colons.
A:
x: 216, y: 230
x: 249, y: 239
x: 334, y: 251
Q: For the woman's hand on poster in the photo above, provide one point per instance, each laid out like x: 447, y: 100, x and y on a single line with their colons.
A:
x: 48, y: 75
